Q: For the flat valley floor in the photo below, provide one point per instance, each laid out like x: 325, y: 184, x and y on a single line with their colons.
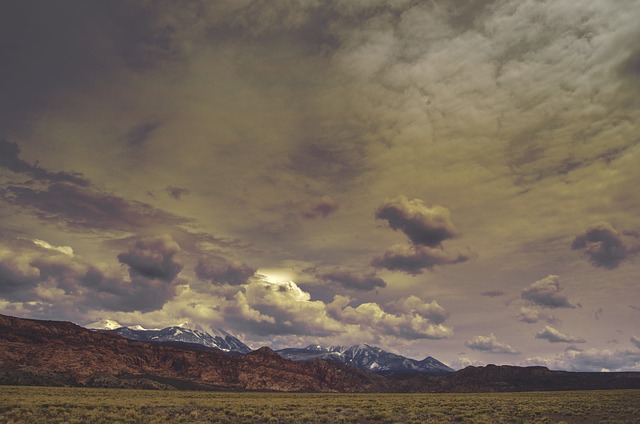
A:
x: 81, y: 405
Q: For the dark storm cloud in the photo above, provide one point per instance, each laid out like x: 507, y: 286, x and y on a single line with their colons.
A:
x: 153, y: 257
x: 176, y: 192
x: 427, y: 226
x: 54, y: 281
x: 552, y: 335
x: 219, y: 270
x: 16, y: 281
x: 113, y: 293
x: 25, y: 265
x: 10, y: 159
x: 413, y: 259
x: 636, y: 341
x: 85, y: 208
x: 604, y: 245
x: 547, y: 293
x: 490, y: 344
x: 320, y: 207
x: 352, y: 280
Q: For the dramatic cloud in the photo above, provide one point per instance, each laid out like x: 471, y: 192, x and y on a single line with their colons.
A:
x: 10, y: 159
x: 410, y: 324
x: 70, y: 286
x: 84, y: 208
x: 153, y: 257
x: 17, y: 275
x: 283, y: 308
x: 547, y: 293
x: 413, y: 305
x: 353, y: 280
x: 511, y: 122
x: 218, y: 270
x: 320, y: 207
x: 426, y: 226
x: 554, y: 336
x: 636, y: 341
x: 112, y: 292
x: 604, y: 245
x: 490, y: 344
x: 414, y: 259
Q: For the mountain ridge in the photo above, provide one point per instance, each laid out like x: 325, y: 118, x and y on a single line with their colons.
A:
x: 367, y: 357
x: 56, y: 353
x: 36, y: 352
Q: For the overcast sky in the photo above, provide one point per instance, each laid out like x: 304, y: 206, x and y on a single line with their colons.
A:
x: 448, y: 178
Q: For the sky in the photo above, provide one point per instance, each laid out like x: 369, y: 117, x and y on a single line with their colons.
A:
x: 456, y: 179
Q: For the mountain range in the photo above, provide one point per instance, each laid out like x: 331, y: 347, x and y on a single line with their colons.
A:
x: 183, y: 333
x: 367, y: 357
x: 362, y: 356
x: 55, y: 353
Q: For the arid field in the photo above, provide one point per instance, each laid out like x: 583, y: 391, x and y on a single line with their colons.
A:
x: 78, y: 405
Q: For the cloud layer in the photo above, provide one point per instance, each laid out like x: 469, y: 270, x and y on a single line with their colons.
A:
x: 156, y: 157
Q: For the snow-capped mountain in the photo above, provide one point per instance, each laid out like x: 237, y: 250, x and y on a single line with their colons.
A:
x: 103, y: 324
x: 367, y: 357
x: 183, y: 333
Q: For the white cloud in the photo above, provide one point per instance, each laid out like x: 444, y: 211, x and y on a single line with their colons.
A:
x: 490, y: 344
x: 531, y: 316
x: 547, y: 293
x: 555, y: 336
x: 67, y: 250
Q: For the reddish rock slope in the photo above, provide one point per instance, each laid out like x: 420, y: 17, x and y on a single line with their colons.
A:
x: 52, y: 352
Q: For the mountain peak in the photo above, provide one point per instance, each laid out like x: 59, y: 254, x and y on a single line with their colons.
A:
x: 183, y: 333
x: 367, y: 357
x: 104, y: 324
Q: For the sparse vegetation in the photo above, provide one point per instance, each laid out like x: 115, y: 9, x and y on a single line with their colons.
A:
x: 80, y: 405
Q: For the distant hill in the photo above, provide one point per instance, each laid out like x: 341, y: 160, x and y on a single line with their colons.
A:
x: 367, y: 357
x: 34, y: 352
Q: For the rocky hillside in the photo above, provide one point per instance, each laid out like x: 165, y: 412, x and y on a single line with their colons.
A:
x: 62, y: 353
